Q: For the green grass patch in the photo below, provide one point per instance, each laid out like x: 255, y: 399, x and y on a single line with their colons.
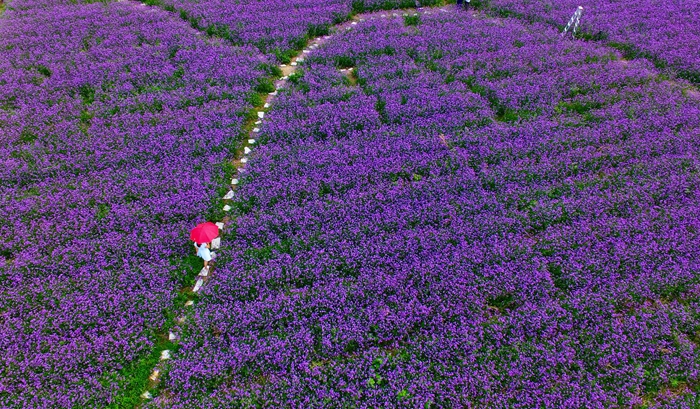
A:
x: 412, y: 20
x: 133, y: 378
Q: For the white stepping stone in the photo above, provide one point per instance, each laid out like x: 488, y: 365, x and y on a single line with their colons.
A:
x: 229, y: 195
x: 326, y: 37
x: 251, y: 141
x: 383, y: 15
x: 244, y: 160
x: 227, y: 208
x: 164, y: 355
x: 203, y: 272
x: 300, y: 59
x: 147, y: 395
x: 267, y: 105
x: 246, y: 150
x: 154, y: 375
x: 216, y: 243
x: 258, y: 122
x: 306, y: 51
x: 261, y: 114
x: 354, y: 23
x: 188, y: 303
x: 234, y: 181
x: 394, y: 14
x: 284, y: 78
x: 172, y: 336
x: 197, y: 285
x: 283, y: 65
x: 294, y: 63
x: 220, y: 225
x: 273, y: 93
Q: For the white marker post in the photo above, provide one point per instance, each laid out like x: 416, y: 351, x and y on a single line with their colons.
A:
x: 574, y: 21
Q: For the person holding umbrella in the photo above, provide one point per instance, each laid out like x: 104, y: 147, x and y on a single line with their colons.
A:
x: 204, y: 233
x: 204, y: 253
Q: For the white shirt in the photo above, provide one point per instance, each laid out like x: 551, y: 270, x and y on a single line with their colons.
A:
x: 204, y: 252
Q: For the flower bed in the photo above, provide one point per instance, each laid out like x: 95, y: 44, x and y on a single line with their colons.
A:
x: 481, y: 214
x: 666, y: 31
x: 275, y: 27
x: 115, y: 120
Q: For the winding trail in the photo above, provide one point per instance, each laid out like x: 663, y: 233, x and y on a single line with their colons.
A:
x: 240, y: 160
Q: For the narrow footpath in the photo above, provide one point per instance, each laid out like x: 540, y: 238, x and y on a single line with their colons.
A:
x: 152, y: 392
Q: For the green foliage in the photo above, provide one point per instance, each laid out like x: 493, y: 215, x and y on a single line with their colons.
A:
x: 358, y: 6
x: 178, y: 73
x: 102, y: 211
x: 580, y: 107
x: 690, y: 76
x: 219, y: 30
x: 86, y: 117
x: 352, y: 346
x: 344, y: 61
x: 598, y: 36
x: 87, y: 94
x: 513, y: 115
x: 264, y: 85
x: 271, y: 70
x: 284, y: 56
x: 502, y: 302
x: 412, y: 20
x: 27, y: 136
x: 255, y: 99
x: 317, y: 30
x: 44, y: 70
x: 380, y: 106
x: 558, y: 278
x: 296, y: 79
x: 132, y: 380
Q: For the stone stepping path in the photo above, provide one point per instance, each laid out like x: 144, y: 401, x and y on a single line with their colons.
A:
x: 240, y: 163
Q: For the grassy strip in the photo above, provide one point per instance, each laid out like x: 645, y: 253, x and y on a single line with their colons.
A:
x: 134, y: 378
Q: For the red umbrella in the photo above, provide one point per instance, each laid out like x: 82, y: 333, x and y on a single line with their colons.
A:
x: 204, y: 232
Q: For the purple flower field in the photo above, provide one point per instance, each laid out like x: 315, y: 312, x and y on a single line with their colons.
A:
x: 114, y: 120
x: 666, y: 31
x: 482, y: 214
x: 441, y: 210
x: 277, y: 27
